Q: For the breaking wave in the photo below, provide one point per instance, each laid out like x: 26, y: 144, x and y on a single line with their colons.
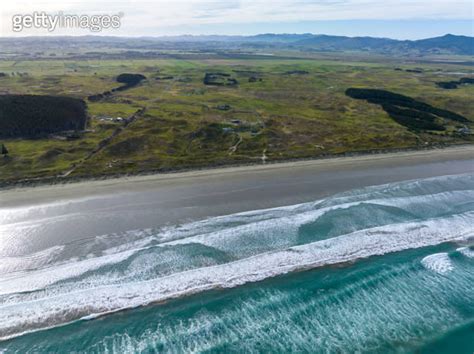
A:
x: 109, y: 273
x: 439, y: 263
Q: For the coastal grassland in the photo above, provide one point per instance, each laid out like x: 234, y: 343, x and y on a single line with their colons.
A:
x: 37, y: 158
x: 280, y: 109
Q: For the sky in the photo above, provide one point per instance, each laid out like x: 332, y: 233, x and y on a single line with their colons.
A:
x: 401, y: 19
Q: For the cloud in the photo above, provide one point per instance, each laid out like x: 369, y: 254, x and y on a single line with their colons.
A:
x: 157, y: 17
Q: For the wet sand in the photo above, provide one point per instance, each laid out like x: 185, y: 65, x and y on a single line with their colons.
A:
x: 85, y: 209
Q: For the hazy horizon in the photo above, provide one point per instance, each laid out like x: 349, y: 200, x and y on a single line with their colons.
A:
x: 198, y: 35
x: 403, y: 19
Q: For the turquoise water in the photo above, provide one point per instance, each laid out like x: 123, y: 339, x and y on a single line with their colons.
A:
x: 381, y: 269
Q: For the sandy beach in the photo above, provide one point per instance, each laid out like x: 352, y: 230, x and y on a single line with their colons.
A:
x: 81, y: 250
x: 156, y: 200
x: 259, y: 186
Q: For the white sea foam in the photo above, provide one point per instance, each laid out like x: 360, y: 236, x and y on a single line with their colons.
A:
x: 36, y: 280
x: 439, y: 263
x: 281, y: 223
x: 258, y: 244
x: 466, y: 251
x: 57, y: 308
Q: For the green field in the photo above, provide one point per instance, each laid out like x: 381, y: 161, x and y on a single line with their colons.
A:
x: 291, y: 108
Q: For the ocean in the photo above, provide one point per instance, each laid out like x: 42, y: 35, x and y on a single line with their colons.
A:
x: 382, y: 269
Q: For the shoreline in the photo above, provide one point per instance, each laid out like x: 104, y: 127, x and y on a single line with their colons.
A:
x: 197, y: 194
x: 123, y: 211
x: 231, y: 167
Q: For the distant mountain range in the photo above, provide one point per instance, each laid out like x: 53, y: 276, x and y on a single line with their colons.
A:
x: 448, y: 44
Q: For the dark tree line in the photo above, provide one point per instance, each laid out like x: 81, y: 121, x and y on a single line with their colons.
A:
x: 450, y: 85
x: 33, y: 115
x: 128, y: 81
x: 4, y: 150
x: 413, y: 114
x: 219, y: 79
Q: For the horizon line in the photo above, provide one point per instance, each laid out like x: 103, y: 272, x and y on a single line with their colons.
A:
x: 219, y: 35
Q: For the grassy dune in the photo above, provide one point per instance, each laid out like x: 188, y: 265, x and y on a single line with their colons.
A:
x: 286, y: 114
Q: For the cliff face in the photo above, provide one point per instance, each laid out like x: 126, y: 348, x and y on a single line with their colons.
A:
x: 33, y: 116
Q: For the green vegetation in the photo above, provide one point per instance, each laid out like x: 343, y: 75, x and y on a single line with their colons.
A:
x: 219, y: 79
x: 406, y: 111
x: 449, y: 85
x: 4, y: 150
x: 34, y: 116
x: 281, y: 108
x: 129, y: 81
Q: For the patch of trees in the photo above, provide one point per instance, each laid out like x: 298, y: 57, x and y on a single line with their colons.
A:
x: 33, y: 115
x: 164, y: 78
x: 416, y: 71
x: 219, y: 79
x: 3, y: 150
x: 450, y: 85
x: 255, y: 79
x: 128, y: 81
x: 224, y: 107
x: 297, y: 72
x: 413, y: 114
x: 99, y: 96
